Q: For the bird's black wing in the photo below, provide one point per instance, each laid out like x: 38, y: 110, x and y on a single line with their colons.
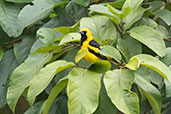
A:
x: 97, y: 54
x: 94, y: 44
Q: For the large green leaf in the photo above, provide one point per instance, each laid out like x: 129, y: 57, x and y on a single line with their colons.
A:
x: 100, y: 66
x: 105, y: 104
x: 149, y: 37
x: 22, y: 49
x: 152, y: 94
x: 164, y: 15
x: 53, y: 94
x: 133, y: 17
x: 82, y: 2
x: 22, y: 76
x: 7, y: 65
x: 1, y: 53
x: 118, y: 84
x: 71, y: 37
x: 151, y: 62
x: 110, y: 51
x: 19, y: 1
x: 44, y: 77
x: 41, y: 9
x: 129, y: 47
x: 8, y: 20
x: 46, y: 35
x: 167, y: 59
x: 83, y: 91
x: 105, y: 11
x: 101, y: 27
x: 132, y: 4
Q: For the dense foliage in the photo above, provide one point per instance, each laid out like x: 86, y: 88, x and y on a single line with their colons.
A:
x: 42, y: 69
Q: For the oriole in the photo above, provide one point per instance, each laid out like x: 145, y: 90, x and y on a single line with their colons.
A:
x: 92, y: 46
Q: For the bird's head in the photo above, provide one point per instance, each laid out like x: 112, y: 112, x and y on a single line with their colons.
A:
x: 85, y: 35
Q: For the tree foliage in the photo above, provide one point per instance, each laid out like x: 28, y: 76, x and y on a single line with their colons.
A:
x: 41, y: 61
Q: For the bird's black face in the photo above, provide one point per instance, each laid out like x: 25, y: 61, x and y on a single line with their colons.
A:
x: 83, y: 36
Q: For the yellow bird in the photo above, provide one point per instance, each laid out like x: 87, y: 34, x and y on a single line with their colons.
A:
x: 93, y: 47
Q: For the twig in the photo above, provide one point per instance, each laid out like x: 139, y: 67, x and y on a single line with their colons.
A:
x: 10, y: 44
x: 167, y: 39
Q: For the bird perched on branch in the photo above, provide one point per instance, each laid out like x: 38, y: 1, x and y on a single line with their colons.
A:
x: 93, y: 47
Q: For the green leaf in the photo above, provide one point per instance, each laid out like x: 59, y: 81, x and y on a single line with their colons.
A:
x: 144, y: 72
x: 118, y: 84
x: 153, y: 63
x: 44, y: 77
x: 164, y: 15
x: 53, y: 94
x: 82, y: 2
x: 146, y: 22
x: 156, y: 78
x: 83, y: 91
x: 37, y: 44
x: 168, y: 86
x: 132, y: 4
x: 133, y: 17
x: 8, y: 21
x: 110, y: 51
x: 117, y: 4
x: 1, y: 53
x: 105, y: 11
x: 101, y: 27
x: 4, y: 37
x: 105, y: 104
x: 167, y: 59
x: 19, y: 1
x: 133, y: 63
x: 48, y: 49
x: 46, y: 35
x: 100, y: 66
x: 128, y: 47
x: 71, y: 37
x: 126, y: 12
x: 120, y: 14
x: 76, y: 11
x: 162, y: 31
x: 22, y: 49
x: 115, y: 11
x: 152, y: 94
x: 65, y: 30
x: 41, y: 9
x: 35, y: 108
x: 22, y: 76
x: 81, y: 53
x: 7, y: 65
x: 156, y: 5
x: 149, y: 37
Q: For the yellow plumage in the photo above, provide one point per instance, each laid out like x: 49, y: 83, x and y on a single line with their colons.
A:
x: 86, y: 38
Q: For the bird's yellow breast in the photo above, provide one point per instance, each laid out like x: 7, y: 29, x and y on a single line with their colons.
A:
x: 89, y: 56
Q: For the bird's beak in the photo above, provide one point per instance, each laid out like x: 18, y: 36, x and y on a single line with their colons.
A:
x: 81, y: 32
